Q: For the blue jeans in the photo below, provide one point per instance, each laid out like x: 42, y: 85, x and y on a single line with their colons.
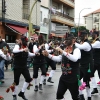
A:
x: 2, y: 62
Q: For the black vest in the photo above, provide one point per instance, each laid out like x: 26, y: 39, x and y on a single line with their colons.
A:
x: 20, y: 59
x: 1, y: 58
x: 96, y: 54
x: 39, y: 59
x: 70, y: 69
x: 86, y: 56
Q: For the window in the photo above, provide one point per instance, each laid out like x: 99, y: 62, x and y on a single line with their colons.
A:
x: 41, y: 16
x: 26, y: 10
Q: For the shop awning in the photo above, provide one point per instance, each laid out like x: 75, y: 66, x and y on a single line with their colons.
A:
x: 19, y: 29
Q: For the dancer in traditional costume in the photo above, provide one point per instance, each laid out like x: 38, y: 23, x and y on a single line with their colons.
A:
x: 21, y: 54
x: 96, y: 57
x: 39, y: 62
x: 50, y: 62
x: 70, y: 69
x: 86, y: 63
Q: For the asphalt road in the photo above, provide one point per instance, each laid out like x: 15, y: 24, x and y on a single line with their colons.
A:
x: 49, y: 90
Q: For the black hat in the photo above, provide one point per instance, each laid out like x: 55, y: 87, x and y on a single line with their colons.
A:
x: 69, y: 36
x: 24, y: 38
x: 96, y: 32
x: 83, y: 33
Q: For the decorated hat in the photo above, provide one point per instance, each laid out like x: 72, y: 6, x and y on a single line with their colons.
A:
x: 24, y: 38
x: 96, y: 32
x: 83, y: 33
x: 40, y: 39
x: 69, y: 36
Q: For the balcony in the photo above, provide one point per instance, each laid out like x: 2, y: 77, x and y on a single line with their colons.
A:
x: 62, y: 18
x: 69, y: 3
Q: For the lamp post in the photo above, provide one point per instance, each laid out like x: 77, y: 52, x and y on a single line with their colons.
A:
x: 50, y: 6
x: 79, y: 18
x: 30, y: 24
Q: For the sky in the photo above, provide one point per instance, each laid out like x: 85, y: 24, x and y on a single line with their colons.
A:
x: 81, y: 4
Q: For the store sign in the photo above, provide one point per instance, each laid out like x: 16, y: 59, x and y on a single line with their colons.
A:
x: 44, y: 29
x: 61, y: 29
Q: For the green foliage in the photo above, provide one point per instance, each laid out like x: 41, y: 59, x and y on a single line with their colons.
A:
x: 81, y: 28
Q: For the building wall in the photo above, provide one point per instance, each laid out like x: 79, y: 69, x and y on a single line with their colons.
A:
x: 2, y: 32
x: 15, y: 11
x: 96, y: 21
x: 89, y: 22
x: 45, y: 3
x: 0, y: 8
x: 36, y: 13
x: 44, y: 26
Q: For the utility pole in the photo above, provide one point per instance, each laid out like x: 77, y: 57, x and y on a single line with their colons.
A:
x: 3, y: 10
x: 50, y: 5
x: 30, y: 24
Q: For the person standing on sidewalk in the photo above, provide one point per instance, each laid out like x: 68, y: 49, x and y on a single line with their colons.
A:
x: 4, y: 55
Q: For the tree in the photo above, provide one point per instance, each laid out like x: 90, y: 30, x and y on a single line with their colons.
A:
x: 81, y: 28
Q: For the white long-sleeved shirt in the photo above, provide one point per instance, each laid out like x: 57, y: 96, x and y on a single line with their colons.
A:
x: 73, y: 57
x: 17, y: 50
x: 96, y: 44
x: 85, y: 46
x: 6, y: 57
x: 47, y: 48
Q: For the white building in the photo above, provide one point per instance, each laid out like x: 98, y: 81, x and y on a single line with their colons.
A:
x: 92, y: 20
x: 44, y: 20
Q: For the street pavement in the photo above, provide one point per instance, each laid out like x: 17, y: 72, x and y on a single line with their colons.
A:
x: 49, y: 90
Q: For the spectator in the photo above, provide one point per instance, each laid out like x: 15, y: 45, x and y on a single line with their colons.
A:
x: 2, y: 44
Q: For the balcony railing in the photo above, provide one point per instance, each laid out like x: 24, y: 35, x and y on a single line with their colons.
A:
x: 63, y: 15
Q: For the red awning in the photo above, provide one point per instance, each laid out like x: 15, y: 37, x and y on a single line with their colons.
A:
x: 19, y: 29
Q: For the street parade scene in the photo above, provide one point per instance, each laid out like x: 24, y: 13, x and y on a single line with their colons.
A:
x: 47, y: 53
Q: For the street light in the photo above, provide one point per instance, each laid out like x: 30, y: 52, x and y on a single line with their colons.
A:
x: 30, y: 24
x: 79, y: 18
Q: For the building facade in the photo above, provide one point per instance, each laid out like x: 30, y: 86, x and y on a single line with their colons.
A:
x: 62, y: 14
x: 44, y: 18
x: 14, y: 18
x: 92, y: 20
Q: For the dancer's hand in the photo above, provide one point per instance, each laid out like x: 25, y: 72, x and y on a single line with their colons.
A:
x: 26, y: 49
x: 45, y: 53
x: 59, y: 49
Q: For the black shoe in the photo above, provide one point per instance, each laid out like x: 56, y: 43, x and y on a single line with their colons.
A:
x: 40, y: 87
x: 36, y: 88
x: 89, y: 98
x: 2, y: 81
x: 14, y: 97
x: 21, y: 94
x: 6, y: 67
x: 44, y: 82
x: 81, y: 97
x: 94, y: 91
x: 49, y: 80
